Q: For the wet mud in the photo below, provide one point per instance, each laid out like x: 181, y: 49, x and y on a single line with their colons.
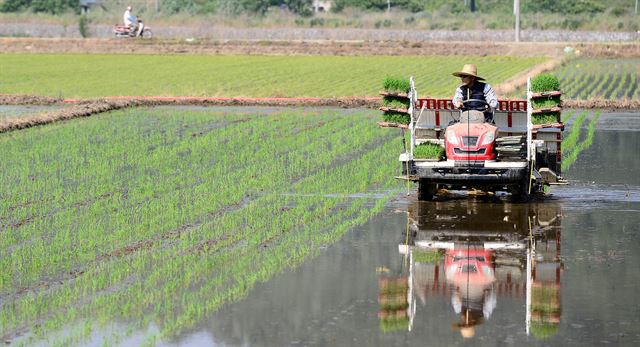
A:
x: 81, y: 109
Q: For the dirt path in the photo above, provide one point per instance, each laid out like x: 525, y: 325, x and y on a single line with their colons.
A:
x: 317, y: 47
x: 85, y: 108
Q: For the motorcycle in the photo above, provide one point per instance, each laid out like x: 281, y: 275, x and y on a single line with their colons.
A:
x: 121, y: 30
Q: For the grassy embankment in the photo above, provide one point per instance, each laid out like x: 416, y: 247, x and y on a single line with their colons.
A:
x: 89, y: 76
x: 158, y: 217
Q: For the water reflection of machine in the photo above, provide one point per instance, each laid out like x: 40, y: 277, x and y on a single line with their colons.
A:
x: 475, y: 253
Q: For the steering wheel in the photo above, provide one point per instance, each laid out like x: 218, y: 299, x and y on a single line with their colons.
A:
x: 487, y: 108
x: 486, y: 104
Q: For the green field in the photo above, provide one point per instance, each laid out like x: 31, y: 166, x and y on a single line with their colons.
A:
x: 610, y: 79
x: 74, y: 76
x: 156, y: 217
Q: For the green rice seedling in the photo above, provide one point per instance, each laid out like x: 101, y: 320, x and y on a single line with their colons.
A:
x: 392, y: 287
x: 545, y: 308
x: 545, y: 118
x: 396, y: 117
x: 395, y: 102
x: 397, y: 302
x: 567, y: 116
x: 428, y: 151
x: 96, y: 75
x: 545, y: 83
x: 396, y: 84
x: 544, y: 294
x: 572, y: 155
x: 394, y: 323
x: 608, y: 79
x: 426, y: 256
x: 569, y: 142
x: 543, y: 330
x: 546, y: 103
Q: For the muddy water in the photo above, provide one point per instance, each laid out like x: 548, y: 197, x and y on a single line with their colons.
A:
x: 8, y: 111
x: 563, y: 271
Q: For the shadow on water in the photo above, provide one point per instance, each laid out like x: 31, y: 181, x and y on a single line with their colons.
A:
x: 474, y: 254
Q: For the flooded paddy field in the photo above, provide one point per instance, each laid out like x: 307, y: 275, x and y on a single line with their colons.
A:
x: 583, y: 256
x: 154, y: 235
x: 10, y: 111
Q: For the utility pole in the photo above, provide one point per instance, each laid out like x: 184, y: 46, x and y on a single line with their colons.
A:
x: 516, y: 12
x: 636, y: 7
x: 388, y: 5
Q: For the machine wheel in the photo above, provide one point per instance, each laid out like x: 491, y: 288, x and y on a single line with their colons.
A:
x: 147, y: 34
x: 426, y: 190
x: 520, y: 192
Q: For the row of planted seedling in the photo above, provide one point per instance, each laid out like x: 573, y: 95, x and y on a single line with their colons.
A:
x: 138, y: 192
x: 573, y: 145
x: 160, y: 217
x: 609, y: 79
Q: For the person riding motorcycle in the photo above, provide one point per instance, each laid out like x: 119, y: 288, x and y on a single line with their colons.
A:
x: 131, y: 21
x: 472, y: 87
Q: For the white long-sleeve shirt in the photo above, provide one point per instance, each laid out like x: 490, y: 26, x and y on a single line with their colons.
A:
x: 128, y: 19
x: 489, y: 96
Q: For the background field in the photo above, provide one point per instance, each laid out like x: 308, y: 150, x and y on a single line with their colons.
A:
x: 597, y: 79
x: 73, y: 76
x: 609, y: 79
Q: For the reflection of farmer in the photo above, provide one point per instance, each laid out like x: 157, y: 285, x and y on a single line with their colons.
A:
x: 470, y: 270
x: 473, y: 88
x: 474, y: 307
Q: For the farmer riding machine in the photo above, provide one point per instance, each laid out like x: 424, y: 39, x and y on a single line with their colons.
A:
x: 506, y: 153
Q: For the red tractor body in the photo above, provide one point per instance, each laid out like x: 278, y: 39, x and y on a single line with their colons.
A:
x: 471, y: 141
x: 469, y: 265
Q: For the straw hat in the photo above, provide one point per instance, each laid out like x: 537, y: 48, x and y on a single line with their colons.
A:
x: 467, y: 323
x: 467, y: 332
x: 468, y: 70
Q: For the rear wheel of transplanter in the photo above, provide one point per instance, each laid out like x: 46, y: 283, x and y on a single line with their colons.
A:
x: 426, y: 190
x: 521, y: 192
